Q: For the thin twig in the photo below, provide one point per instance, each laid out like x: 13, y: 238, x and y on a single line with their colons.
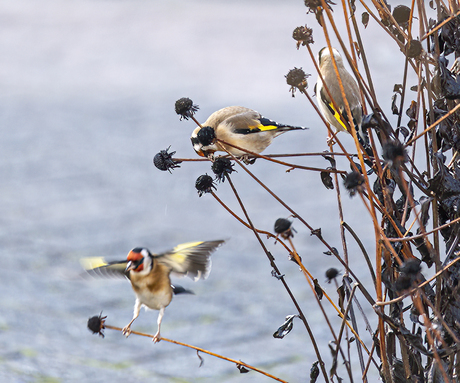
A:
x: 237, y: 362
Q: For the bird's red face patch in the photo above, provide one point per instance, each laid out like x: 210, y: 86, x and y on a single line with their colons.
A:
x: 135, y: 261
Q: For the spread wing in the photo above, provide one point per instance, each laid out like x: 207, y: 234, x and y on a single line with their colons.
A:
x: 192, y: 259
x: 98, y: 267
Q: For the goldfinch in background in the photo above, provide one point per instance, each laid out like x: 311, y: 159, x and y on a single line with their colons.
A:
x: 338, y: 118
x: 149, y: 274
x: 238, y: 126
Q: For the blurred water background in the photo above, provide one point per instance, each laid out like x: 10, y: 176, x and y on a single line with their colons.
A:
x: 87, y: 99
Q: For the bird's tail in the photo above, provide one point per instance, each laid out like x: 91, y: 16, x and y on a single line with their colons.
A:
x: 266, y: 122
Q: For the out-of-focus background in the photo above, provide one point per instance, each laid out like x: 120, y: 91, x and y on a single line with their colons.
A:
x: 87, y: 99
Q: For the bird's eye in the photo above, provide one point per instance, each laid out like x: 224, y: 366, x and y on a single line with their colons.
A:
x: 136, y: 264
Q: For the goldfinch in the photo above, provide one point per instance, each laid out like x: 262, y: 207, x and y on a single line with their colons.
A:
x: 338, y: 118
x: 149, y: 274
x: 238, y: 126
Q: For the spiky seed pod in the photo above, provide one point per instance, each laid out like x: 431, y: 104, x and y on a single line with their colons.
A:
x: 222, y: 167
x: 394, y: 152
x: 185, y: 108
x: 206, y: 135
x: 413, y: 49
x: 96, y: 324
x: 163, y: 160
x: 331, y: 273
x: 297, y: 79
x: 204, y: 184
x: 353, y: 182
x: 283, y: 227
x: 303, y: 35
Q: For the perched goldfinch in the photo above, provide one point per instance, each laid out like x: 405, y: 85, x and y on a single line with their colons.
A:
x: 239, y: 126
x: 338, y: 118
x: 150, y: 274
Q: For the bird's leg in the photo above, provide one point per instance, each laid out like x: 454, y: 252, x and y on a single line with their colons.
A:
x: 156, y: 337
x: 127, y: 329
x: 248, y: 160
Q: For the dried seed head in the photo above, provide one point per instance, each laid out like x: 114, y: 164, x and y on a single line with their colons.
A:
x: 411, y: 267
x: 413, y: 49
x: 283, y: 227
x: 402, y: 283
x: 394, y: 152
x: 163, y: 160
x: 222, y: 167
x: 96, y: 324
x: 297, y: 79
x: 185, y: 108
x: 204, y: 184
x: 303, y: 35
x: 401, y: 14
x: 331, y: 274
x: 315, y: 6
x: 206, y: 135
x: 353, y: 182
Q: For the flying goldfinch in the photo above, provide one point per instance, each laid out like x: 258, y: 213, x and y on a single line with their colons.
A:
x: 238, y: 126
x: 149, y: 274
x: 339, y: 118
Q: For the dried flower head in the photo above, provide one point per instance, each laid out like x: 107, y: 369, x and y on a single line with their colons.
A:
x: 394, y: 152
x: 283, y: 227
x: 297, y: 79
x: 206, y: 135
x: 401, y: 14
x: 413, y: 49
x: 331, y: 273
x: 96, y: 324
x: 163, y: 160
x: 411, y: 267
x: 185, y: 108
x: 315, y: 6
x: 303, y: 35
x: 204, y: 184
x: 222, y: 167
x: 353, y: 182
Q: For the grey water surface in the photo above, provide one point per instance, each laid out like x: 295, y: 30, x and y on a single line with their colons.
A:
x: 87, y: 92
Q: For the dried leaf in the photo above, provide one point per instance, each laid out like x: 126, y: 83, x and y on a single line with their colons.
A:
x: 331, y: 159
x: 450, y: 88
x: 199, y: 357
x: 316, y: 232
x: 314, y: 372
x: 394, y: 108
x: 397, y: 88
x: 318, y: 289
x: 435, y: 374
x: 242, y: 369
x: 365, y: 19
x: 404, y: 131
x: 327, y: 180
x: 285, y: 328
x: 332, y: 348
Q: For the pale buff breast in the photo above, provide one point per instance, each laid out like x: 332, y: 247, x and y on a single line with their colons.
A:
x: 153, y: 290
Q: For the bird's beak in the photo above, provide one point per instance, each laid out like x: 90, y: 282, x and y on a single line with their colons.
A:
x: 129, y: 266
